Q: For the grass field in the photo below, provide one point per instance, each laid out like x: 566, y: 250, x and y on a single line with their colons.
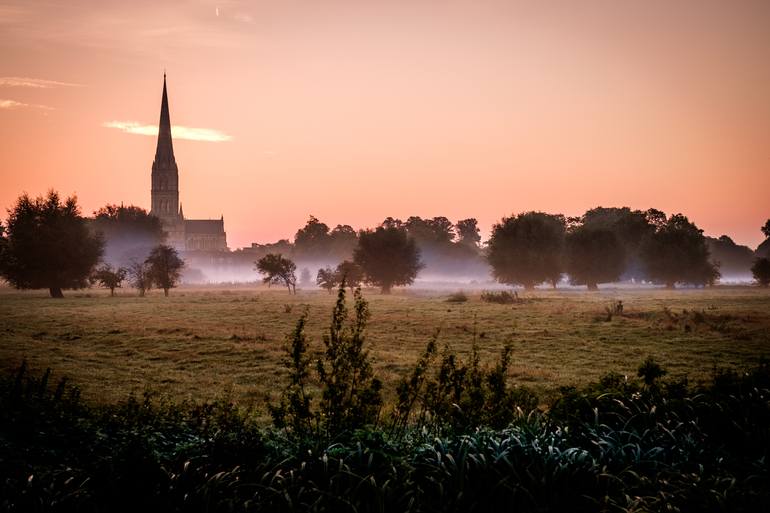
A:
x: 200, y: 342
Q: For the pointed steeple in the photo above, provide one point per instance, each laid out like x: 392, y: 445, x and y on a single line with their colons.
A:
x: 164, y: 154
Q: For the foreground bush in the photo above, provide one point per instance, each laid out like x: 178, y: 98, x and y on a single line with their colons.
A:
x: 617, y: 445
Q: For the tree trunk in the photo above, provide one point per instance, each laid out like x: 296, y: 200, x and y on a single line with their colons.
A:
x: 386, y: 289
x: 141, y: 292
x: 670, y: 285
x: 529, y: 286
x: 112, y: 292
x: 56, y: 292
x: 165, y: 292
x: 592, y: 286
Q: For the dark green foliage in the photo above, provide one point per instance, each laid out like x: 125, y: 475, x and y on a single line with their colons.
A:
x: 766, y: 229
x: 677, y: 253
x: 459, y: 395
x: 48, y: 245
x: 293, y: 412
x: 109, y: 277
x: 350, y: 393
x: 164, y: 267
x: 527, y: 249
x: 761, y: 271
x: 388, y: 257
x: 593, y: 256
x: 278, y: 270
x: 612, y: 446
x: 650, y: 371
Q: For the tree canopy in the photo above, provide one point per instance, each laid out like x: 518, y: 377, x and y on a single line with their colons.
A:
x: 165, y: 267
x: 526, y: 249
x: 593, y: 256
x: 278, y: 270
x: 109, y: 277
x: 129, y: 232
x: 677, y: 253
x: 388, y: 257
x: 48, y: 245
x: 761, y: 271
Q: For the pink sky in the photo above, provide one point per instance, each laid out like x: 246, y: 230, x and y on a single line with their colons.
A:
x: 354, y: 111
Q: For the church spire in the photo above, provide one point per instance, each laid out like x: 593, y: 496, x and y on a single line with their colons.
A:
x: 164, y: 154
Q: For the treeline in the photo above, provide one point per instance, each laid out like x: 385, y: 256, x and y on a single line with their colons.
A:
x: 47, y: 243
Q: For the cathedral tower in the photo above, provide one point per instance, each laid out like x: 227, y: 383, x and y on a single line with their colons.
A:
x: 165, y: 180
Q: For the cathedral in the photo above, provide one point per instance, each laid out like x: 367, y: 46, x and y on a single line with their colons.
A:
x: 188, y: 235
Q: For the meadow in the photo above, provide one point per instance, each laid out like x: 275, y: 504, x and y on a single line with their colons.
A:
x: 201, y: 343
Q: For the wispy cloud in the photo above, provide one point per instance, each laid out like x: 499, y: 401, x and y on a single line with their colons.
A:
x: 37, y: 83
x: 177, y: 131
x: 13, y: 104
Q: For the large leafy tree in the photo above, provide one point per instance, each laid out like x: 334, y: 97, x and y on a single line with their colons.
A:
x: 526, y: 249
x: 763, y: 250
x: 388, y: 257
x: 278, y: 270
x: 677, y: 253
x: 49, y: 245
x: 593, y: 256
x: 164, y: 267
x: 129, y: 232
x: 761, y: 271
x: 313, y: 240
x: 630, y: 227
x: 468, y: 232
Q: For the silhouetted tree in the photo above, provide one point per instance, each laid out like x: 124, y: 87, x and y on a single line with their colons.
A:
x: 165, y: 267
x: 327, y: 279
x: 527, y: 249
x: 763, y: 250
x: 129, y: 232
x: 312, y: 241
x: 761, y: 271
x: 677, y: 253
x: 343, y: 239
x: 630, y: 227
x: 139, y: 276
x: 731, y: 258
x: 436, y: 231
x: 48, y: 245
x: 351, y: 273
x: 593, y: 256
x: 278, y: 270
x: 388, y: 257
x: 109, y: 277
x: 468, y: 231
